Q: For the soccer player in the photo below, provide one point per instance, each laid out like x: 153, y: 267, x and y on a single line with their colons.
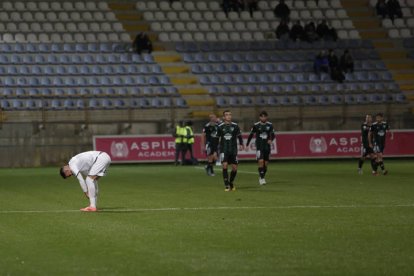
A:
x: 366, y: 149
x: 264, y: 132
x: 211, y: 142
x: 377, y: 134
x: 88, y: 167
x: 228, y: 133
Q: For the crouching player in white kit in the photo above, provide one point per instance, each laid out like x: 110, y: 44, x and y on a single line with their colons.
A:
x: 91, y: 165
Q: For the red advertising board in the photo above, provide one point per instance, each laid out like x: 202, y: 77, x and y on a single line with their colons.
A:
x: 288, y: 145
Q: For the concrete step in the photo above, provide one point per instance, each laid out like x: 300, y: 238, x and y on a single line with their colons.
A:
x: 349, y: 4
x: 407, y: 87
x: 392, y: 54
x: 184, y: 80
x: 404, y: 77
x: 201, y: 114
x: 167, y: 58
x: 383, y: 44
x: 192, y: 91
x: 129, y: 17
x: 137, y: 27
x: 208, y: 102
x: 373, y: 34
x: 368, y: 23
x: 357, y: 13
x: 121, y: 6
x: 400, y: 65
x: 175, y: 69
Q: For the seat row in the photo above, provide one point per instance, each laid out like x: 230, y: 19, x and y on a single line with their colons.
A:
x: 263, y: 26
x: 268, y: 15
x: 293, y: 67
x: 90, y: 58
x: 234, y: 36
x: 295, y: 100
x: 221, y: 46
x: 265, y: 78
x: 215, y: 5
x: 153, y: 80
x: 40, y: 16
x: 274, y: 56
x: 73, y: 104
x: 54, y: 5
x: 62, y: 70
x: 400, y: 33
x: 74, y: 37
x: 398, y: 23
x: 97, y: 92
x: 61, y: 27
x: 49, y: 48
x: 306, y: 89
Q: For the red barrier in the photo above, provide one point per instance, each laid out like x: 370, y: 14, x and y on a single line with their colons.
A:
x: 288, y: 145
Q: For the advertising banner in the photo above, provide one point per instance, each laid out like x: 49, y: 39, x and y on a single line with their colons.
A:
x: 287, y: 145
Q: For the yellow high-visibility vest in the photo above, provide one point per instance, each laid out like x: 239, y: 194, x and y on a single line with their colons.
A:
x: 190, y: 131
x: 181, y: 134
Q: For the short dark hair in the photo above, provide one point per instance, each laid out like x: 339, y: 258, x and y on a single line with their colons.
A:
x: 263, y: 113
x: 379, y: 114
x: 62, y: 172
x: 226, y: 111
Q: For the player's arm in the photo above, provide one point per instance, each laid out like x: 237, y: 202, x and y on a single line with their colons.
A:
x: 249, y: 139
x: 240, y: 138
x: 370, y: 138
x: 271, y: 135
x: 82, y: 182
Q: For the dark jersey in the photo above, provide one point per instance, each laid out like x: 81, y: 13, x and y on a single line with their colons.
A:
x: 228, y: 135
x: 379, y: 132
x: 364, y: 134
x: 264, y: 132
x: 210, y: 130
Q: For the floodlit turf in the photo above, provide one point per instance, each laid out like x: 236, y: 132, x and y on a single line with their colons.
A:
x: 313, y: 218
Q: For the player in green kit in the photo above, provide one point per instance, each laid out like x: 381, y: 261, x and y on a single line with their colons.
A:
x: 377, y: 134
x: 264, y: 132
x: 228, y: 133
x: 366, y: 149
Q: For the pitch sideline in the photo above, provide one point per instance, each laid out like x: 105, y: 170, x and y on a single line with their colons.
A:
x: 174, y: 209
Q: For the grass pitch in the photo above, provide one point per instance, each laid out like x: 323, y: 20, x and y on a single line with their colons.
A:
x: 313, y: 218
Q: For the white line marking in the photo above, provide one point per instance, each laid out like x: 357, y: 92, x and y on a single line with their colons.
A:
x: 238, y: 171
x: 126, y: 210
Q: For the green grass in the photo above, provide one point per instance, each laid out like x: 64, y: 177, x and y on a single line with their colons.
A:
x: 365, y: 228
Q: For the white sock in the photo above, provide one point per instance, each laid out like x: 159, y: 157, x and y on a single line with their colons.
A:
x: 91, y: 191
x: 96, y: 191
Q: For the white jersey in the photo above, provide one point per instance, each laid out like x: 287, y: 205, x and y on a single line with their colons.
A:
x: 83, y: 163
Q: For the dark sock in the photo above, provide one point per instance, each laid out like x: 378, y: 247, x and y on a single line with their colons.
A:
x: 225, y: 177
x: 381, y: 164
x: 261, y: 172
x: 264, y: 171
x: 360, y: 163
x: 374, y: 165
x: 232, y: 176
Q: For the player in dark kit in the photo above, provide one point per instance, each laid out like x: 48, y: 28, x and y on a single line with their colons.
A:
x: 211, y: 142
x: 264, y: 132
x: 228, y: 133
x: 377, y: 135
x: 366, y: 149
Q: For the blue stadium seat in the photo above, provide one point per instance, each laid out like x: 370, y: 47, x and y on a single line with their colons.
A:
x: 20, y: 92
x: 68, y: 104
x: 106, y: 103
x: 56, y: 104
x: 93, y: 104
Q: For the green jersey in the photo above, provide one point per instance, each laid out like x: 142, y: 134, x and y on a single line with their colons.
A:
x: 228, y: 135
x: 264, y: 133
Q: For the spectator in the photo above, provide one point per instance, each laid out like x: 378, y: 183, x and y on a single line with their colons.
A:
x: 347, y: 62
x: 394, y: 9
x: 310, y: 32
x: 323, y: 30
x: 332, y: 34
x: 282, y: 31
x: 252, y: 5
x: 381, y: 8
x: 142, y: 42
x: 321, y: 63
x: 297, y: 32
x: 336, y: 72
x: 282, y: 11
x: 232, y: 5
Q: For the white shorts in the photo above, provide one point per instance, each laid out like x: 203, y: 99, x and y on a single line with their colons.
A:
x: 101, y: 165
